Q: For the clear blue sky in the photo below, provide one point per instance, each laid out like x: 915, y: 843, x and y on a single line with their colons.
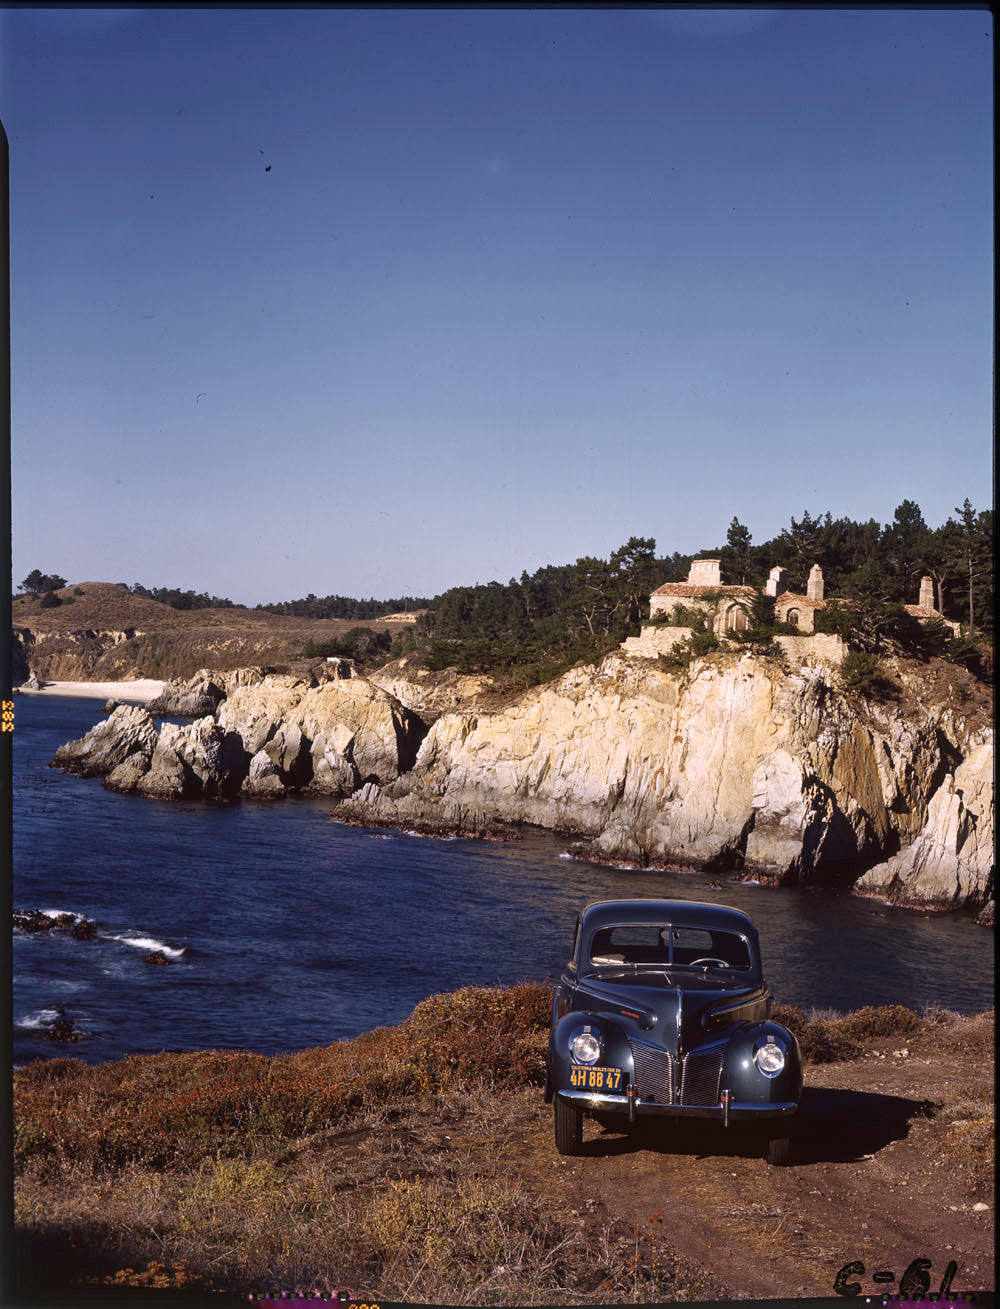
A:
x: 378, y: 302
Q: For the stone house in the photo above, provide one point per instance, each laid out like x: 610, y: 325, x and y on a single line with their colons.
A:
x: 730, y: 606
x: 791, y: 607
x: 924, y: 608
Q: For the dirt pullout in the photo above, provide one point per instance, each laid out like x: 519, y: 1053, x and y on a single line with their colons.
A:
x: 871, y: 1182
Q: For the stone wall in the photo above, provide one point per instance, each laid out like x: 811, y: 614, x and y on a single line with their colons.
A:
x: 654, y: 641
x: 821, y: 648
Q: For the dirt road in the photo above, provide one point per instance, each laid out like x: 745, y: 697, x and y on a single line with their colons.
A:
x: 873, y: 1181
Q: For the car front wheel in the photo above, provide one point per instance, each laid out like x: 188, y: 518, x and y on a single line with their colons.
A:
x: 569, y: 1128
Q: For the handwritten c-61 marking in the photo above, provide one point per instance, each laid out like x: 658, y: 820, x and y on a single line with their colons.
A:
x: 914, y: 1284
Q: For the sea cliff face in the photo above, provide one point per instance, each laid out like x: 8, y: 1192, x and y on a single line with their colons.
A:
x: 736, y: 763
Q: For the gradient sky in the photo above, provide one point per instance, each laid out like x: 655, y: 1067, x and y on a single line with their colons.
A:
x: 379, y: 302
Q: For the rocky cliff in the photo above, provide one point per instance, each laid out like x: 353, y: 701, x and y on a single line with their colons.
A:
x: 735, y: 763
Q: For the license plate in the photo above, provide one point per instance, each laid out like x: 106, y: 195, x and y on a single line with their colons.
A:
x: 596, y: 1079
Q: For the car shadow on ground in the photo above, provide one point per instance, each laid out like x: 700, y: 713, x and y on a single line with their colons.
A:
x: 832, y: 1125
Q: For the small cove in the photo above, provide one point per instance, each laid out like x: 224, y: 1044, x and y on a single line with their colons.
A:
x: 284, y: 930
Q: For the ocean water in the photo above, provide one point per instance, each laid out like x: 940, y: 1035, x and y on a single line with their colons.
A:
x: 284, y: 930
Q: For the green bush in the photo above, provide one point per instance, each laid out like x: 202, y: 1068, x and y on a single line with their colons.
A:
x: 685, y: 616
x: 692, y: 647
x: 861, y: 672
x: 364, y: 645
x: 960, y: 650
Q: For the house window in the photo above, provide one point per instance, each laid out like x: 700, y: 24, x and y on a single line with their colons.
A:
x: 736, y: 619
x: 792, y: 617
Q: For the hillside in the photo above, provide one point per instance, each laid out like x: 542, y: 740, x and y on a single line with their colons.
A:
x: 422, y: 1156
x: 102, y: 632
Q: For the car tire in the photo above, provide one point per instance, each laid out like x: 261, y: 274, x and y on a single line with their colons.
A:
x: 779, y: 1149
x: 569, y: 1128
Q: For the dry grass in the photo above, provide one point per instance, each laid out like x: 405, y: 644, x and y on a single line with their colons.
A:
x: 418, y: 1200
x: 387, y: 1162
x: 970, y: 1139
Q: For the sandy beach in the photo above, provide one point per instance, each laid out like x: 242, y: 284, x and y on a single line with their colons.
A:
x: 142, y: 690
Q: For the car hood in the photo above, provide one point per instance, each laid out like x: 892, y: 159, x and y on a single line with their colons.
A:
x: 663, y: 996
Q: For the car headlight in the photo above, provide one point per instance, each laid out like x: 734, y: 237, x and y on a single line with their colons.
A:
x: 585, y: 1046
x: 770, y: 1058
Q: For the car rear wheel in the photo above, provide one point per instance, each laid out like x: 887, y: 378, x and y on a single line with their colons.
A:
x: 779, y: 1150
x: 569, y: 1128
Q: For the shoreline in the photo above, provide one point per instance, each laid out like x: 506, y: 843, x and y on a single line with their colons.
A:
x: 141, y: 690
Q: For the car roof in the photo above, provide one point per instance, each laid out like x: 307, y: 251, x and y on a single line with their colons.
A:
x: 610, y: 913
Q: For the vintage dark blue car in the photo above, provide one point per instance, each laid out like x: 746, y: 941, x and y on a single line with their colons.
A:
x: 663, y: 1010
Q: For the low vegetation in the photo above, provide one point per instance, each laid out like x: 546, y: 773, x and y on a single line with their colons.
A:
x: 380, y: 1162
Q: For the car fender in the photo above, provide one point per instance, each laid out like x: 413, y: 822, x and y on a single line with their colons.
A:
x: 740, y: 1074
x: 615, y: 1049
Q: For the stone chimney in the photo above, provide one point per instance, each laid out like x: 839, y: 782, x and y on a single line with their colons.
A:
x: 926, y: 600
x: 814, y: 587
x: 777, y: 582
x: 705, y: 572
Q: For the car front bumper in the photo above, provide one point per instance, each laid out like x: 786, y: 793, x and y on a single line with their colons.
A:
x: 736, y: 1111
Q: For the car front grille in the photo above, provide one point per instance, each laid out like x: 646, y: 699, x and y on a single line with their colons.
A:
x: 659, y: 1075
x: 700, y: 1079
x: 654, y: 1073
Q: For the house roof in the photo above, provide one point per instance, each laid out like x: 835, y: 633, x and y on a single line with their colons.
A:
x: 793, y: 597
x: 694, y: 590
x: 921, y: 611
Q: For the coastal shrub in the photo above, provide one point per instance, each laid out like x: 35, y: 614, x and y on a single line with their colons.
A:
x: 886, y: 1020
x: 821, y: 1042
x: 478, y: 1035
x: 829, y: 1038
x: 162, y: 1109
x: 362, y: 644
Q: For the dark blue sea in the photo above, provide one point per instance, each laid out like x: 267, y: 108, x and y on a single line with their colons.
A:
x: 285, y: 930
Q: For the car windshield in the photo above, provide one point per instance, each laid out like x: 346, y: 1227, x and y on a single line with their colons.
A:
x: 668, y: 946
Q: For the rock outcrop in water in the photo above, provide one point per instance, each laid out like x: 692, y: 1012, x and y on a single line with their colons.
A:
x: 194, y: 697
x: 737, y: 763
x: 270, y: 734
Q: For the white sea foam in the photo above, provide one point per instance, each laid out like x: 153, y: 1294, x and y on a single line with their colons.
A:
x: 150, y: 943
x: 36, y: 1021
x: 566, y: 855
x: 62, y: 913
